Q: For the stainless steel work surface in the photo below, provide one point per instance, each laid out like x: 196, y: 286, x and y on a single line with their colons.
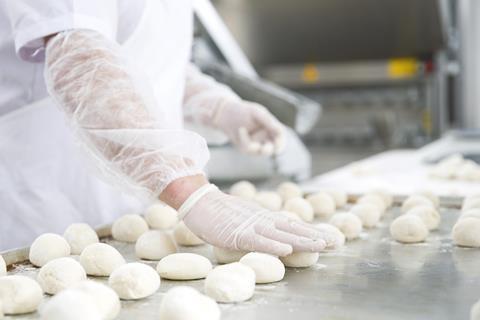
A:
x: 371, y: 278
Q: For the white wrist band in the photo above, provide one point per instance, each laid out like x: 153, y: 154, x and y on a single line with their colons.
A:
x: 193, y: 198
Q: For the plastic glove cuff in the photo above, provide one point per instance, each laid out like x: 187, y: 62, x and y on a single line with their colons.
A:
x: 193, y: 199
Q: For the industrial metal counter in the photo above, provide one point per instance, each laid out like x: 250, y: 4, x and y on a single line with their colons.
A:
x: 371, y: 278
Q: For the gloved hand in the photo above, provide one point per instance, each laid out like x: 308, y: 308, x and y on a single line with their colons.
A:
x: 233, y: 223
x: 250, y: 126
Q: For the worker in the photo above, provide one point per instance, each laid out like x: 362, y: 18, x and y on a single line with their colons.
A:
x: 100, y: 89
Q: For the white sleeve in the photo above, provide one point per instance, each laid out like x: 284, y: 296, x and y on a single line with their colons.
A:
x: 110, y: 110
x: 32, y: 20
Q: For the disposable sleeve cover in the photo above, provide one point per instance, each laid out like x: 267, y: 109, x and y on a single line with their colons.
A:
x: 110, y: 110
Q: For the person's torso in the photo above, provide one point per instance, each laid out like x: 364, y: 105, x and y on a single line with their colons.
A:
x: 154, y: 34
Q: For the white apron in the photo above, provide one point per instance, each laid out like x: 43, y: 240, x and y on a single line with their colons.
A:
x: 45, y: 181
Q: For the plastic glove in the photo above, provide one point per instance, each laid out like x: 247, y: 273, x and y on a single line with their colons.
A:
x: 233, y: 223
x: 249, y: 126
x: 115, y: 118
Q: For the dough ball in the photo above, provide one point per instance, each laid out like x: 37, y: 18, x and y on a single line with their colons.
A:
x: 472, y: 204
x: 227, y: 256
x: 60, y: 274
x: 322, y: 203
x: 466, y: 233
x: 348, y: 223
x: 184, y: 237
x: 71, y: 304
x: 186, y: 303
x: 106, y: 300
x: 415, y: 201
x: 269, y: 200
x: 408, y: 228
x: 300, y: 259
x: 80, y: 235
x: 47, y: 247
x: 431, y: 196
x: 243, y: 189
x: 475, y: 311
x: 300, y: 207
x: 160, y: 216
x: 474, y: 197
x: 134, y: 281
x: 154, y: 245
x: 369, y: 213
x: 472, y: 213
x: 334, y: 237
x: 339, y: 197
x: 267, y: 267
x: 428, y: 214
x: 288, y: 190
x: 184, y: 266
x: 3, y: 267
x: 373, y: 199
x: 129, y: 228
x: 19, y: 294
x: 100, y: 259
x: 290, y: 215
x: 233, y: 282
x: 385, y: 195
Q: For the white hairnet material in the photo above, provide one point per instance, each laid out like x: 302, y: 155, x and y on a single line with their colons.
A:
x: 111, y: 113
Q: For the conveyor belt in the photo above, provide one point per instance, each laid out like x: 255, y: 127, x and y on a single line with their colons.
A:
x: 371, y: 278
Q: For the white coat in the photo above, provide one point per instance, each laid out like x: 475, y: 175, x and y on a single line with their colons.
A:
x: 44, y: 183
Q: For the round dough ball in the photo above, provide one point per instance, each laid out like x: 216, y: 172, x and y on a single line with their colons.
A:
x: 472, y: 213
x: 233, y: 282
x: 3, y: 267
x: 408, y: 228
x: 100, y: 259
x: 415, y: 201
x: 334, y: 237
x: 154, y: 245
x: 471, y: 198
x: 267, y: 267
x: 428, y: 214
x: 322, y: 203
x: 186, y: 303
x: 134, y: 281
x: 71, y: 304
x: 227, y: 256
x: 129, y: 228
x: 300, y: 259
x: 466, y: 233
x: 472, y: 204
x: 431, y: 196
x: 385, y: 195
x: 348, y: 223
x: 290, y: 215
x: 373, y: 199
x: 60, y: 274
x: 184, y: 266
x: 184, y: 237
x: 47, y: 247
x: 80, y: 235
x: 369, y: 213
x: 19, y: 294
x: 160, y: 216
x: 243, y: 189
x: 300, y: 207
x: 339, y: 197
x: 475, y: 311
x: 106, y: 300
x: 269, y: 200
x: 288, y: 190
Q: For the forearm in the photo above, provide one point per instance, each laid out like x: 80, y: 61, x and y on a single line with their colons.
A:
x: 107, y: 108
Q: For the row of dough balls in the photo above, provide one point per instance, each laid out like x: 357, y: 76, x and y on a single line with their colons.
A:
x: 289, y: 198
x: 455, y: 167
x: 419, y: 216
x: 466, y: 231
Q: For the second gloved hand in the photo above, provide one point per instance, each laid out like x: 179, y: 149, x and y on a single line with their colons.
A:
x: 233, y: 223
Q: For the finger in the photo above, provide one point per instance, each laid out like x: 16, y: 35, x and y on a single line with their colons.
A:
x: 267, y: 149
x: 266, y: 245
x: 267, y: 120
x: 298, y: 243
x: 279, y: 143
x: 247, y: 143
x: 300, y: 229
